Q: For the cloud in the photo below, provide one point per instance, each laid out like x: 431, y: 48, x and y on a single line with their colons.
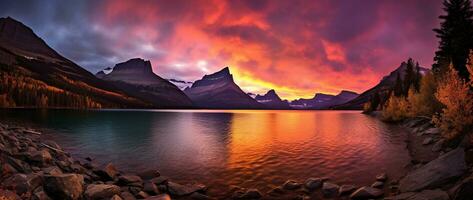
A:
x: 297, y: 47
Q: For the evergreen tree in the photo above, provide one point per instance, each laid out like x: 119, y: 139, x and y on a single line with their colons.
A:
x: 456, y: 37
x: 398, y: 85
x: 409, y: 77
x: 417, y: 79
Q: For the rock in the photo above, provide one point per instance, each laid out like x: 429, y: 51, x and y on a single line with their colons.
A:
x: 366, y: 193
x: 465, y: 190
x: 149, y: 174
x: 127, y: 196
x: 129, y: 180
x: 424, y: 195
x: 346, y: 189
x: 101, y: 191
x: 402, y: 196
x: 427, y: 141
x: 432, y: 131
x: 382, y: 177
x: 52, y: 170
x: 378, y: 184
x: 64, y: 186
x: 182, y: 190
x: 199, y: 196
x: 116, y: 197
x: 17, y: 183
x: 142, y: 195
x: 313, y: 183
x: 160, y: 180
x: 8, y: 195
x: 438, y: 145
x: 291, y: 185
x: 109, y: 172
x: 40, y: 195
x: 150, y: 188
x: 435, y: 173
x: 248, y: 194
x: 159, y: 197
x: 276, y: 191
x: 329, y: 189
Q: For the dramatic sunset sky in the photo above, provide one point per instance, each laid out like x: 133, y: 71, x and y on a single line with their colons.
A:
x: 296, y: 47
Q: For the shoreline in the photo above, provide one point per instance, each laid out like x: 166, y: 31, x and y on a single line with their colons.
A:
x: 49, y: 163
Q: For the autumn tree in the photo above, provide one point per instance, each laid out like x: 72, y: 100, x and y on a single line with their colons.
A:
x: 456, y: 37
x: 424, y: 102
x: 456, y: 118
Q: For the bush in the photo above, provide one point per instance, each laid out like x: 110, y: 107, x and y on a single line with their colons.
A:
x: 456, y: 118
x: 424, y: 102
x: 396, y: 109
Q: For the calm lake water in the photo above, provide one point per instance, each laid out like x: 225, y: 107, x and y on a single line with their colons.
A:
x: 253, y: 149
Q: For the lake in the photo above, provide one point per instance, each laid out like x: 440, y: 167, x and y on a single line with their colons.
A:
x: 222, y: 148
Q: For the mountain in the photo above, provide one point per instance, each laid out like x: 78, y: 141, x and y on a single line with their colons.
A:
x: 218, y: 90
x: 384, y: 86
x: 180, y: 84
x: 35, y: 75
x: 136, y: 77
x: 324, y: 101
x: 271, y: 100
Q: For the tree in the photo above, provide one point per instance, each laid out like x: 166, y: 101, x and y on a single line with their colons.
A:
x: 409, y: 77
x: 454, y: 93
x: 423, y: 102
x: 396, y: 109
x: 398, y: 85
x: 418, y: 78
x: 456, y: 37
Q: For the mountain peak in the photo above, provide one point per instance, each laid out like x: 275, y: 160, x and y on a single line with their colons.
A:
x: 137, y: 65
x: 346, y: 92
x: 222, y: 76
x: 20, y: 38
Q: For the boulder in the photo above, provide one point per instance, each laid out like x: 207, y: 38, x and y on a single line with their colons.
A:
x: 40, y: 195
x: 142, y: 195
x: 427, y: 141
x: 17, y: 183
x: 150, y: 188
x: 8, y: 195
x: 101, y: 191
x: 149, y: 174
x: 109, y: 172
x: 465, y: 190
x: 129, y: 180
x: 378, y: 184
x: 276, y: 191
x: 438, y: 145
x: 346, y: 189
x: 248, y: 194
x: 199, y: 196
x: 116, y: 197
x: 52, y: 170
x: 366, y: 193
x: 291, y: 185
x: 159, y: 197
x: 42, y: 157
x: 160, y: 180
x: 435, y: 173
x: 313, y: 183
x: 177, y: 189
x: 432, y: 131
x: 64, y: 186
x: 382, y: 177
x: 329, y: 189
x: 424, y: 195
x: 127, y: 196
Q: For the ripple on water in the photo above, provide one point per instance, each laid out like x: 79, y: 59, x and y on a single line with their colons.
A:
x: 257, y: 149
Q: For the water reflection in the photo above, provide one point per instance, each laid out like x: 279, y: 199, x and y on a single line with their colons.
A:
x: 222, y: 148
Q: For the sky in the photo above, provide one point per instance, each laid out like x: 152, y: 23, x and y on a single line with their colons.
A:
x: 296, y: 47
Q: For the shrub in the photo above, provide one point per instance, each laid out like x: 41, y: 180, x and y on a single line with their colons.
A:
x: 456, y: 118
x: 396, y: 109
x: 424, y: 102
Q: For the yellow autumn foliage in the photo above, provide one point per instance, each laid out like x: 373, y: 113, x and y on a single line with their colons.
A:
x: 396, y: 109
x: 456, y: 118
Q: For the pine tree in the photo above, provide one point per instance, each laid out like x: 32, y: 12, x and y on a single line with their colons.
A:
x: 456, y: 37
x: 409, y: 77
x: 398, y: 85
x: 418, y: 77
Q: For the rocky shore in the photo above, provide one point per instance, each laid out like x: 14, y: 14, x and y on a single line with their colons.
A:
x: 39, y: 169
